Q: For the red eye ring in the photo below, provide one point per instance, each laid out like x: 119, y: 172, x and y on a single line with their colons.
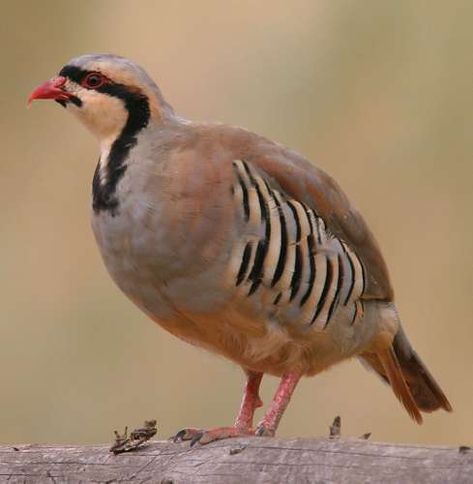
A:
x: 93, y: 80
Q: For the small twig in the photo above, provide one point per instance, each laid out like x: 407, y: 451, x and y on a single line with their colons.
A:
x: 137, y: 437
x: 336, y: 428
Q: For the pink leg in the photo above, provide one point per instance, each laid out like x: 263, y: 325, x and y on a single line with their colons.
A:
x: 251, y: 401
x: 267, y: 427
x: 243, y: 423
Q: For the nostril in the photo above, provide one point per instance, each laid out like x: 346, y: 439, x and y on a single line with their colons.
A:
x: 59, y: 81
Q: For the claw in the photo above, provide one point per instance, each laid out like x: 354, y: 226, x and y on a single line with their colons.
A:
x: 206, y: 436
x: 197, y: 438
x: 186, y: 434
x: 262, y: 431
x: 179, y: 436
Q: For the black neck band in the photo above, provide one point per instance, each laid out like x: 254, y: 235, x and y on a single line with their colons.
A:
x: 137, y: 107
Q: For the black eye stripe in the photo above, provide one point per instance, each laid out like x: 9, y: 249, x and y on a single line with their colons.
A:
x: 87, y: 79
x: 78, y: 75
x: 73, y: 73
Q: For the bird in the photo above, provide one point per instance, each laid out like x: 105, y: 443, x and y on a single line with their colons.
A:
x: 236, y: 244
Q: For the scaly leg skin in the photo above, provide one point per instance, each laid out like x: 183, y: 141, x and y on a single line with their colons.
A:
x: 267, y: 427
x: 243, y: 425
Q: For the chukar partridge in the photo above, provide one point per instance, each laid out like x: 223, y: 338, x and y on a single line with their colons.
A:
x: 236, y: 244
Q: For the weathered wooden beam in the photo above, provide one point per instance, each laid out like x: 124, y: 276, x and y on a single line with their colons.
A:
x: 259, y: 460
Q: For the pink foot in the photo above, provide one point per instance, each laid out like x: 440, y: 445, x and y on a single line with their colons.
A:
x: 243, y: 426
x: 207, y: 436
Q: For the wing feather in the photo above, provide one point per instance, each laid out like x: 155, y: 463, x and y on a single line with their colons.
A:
x: 307, y: 183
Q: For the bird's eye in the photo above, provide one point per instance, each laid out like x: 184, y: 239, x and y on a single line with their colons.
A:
x: 93, y: 80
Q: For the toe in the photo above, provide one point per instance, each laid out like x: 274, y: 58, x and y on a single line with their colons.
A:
x: 219, y: 433
x: 186, y: 434
x: 197, y: 438
x: 216, y: 434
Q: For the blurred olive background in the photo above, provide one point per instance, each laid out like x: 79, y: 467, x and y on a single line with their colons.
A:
x: 379, y: 94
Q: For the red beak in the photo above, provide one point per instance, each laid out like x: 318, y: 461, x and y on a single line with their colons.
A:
x: 51, y: 89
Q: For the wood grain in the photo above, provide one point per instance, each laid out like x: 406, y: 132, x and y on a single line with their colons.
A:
x: 259, y: 460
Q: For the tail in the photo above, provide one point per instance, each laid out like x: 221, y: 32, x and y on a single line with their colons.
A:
x: 411, y: 381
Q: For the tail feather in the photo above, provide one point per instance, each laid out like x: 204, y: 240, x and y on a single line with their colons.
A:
x: 394, y: 373
x: 425, y: 390
x: 409, y: 378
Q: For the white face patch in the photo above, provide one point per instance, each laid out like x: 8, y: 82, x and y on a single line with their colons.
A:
x: 104, y: 115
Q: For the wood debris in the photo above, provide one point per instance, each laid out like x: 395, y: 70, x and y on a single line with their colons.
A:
x: 127, y: 443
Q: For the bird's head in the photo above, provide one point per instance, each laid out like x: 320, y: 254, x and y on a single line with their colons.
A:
x: 106, y: 92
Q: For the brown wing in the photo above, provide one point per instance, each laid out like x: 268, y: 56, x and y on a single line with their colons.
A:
x: 305, y: 182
